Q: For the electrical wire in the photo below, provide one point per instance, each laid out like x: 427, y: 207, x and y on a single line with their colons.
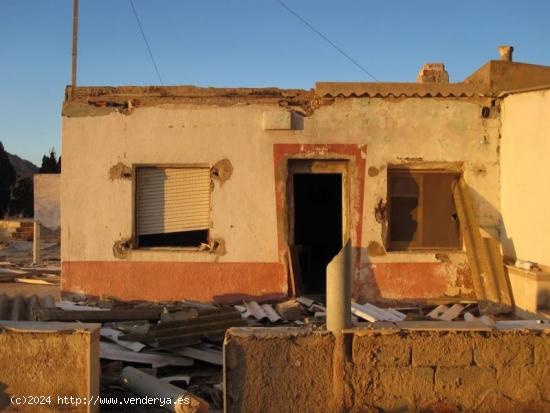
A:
x: 146, y: 42
x: 325, y: 38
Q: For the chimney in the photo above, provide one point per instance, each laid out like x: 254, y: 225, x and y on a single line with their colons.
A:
x: 506, y: 53
x: 433, y: 73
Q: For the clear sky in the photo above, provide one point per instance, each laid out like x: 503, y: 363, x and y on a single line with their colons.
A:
x: 241, y: 43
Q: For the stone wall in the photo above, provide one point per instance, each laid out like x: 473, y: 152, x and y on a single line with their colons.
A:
x: 388, y: 370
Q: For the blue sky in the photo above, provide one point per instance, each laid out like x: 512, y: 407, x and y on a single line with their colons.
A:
x: 241, y: 43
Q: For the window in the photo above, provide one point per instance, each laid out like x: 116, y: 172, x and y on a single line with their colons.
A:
x: 172, y: 206
x: 422, y: 212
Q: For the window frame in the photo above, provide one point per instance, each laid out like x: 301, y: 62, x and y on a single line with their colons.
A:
x: 135, y: 236
x: 408, y: 246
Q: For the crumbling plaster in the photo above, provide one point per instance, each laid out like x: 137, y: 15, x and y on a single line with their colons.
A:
x: 243, y: 211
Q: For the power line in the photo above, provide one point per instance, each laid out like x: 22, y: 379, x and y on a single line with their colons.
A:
x: 146, y: 42
x: 326, y: 39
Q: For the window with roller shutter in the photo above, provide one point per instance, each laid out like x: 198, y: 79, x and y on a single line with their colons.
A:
x: 172, y: 206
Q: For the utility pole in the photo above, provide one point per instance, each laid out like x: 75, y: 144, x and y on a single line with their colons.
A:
x: 75, y: 40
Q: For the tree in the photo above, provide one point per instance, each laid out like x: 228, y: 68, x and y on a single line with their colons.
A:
x: 22, y: 198
x: 50, y: 164
x: 7, y: 179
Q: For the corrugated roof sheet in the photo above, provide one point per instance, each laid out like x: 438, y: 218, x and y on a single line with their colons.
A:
x: 383, y: 90
x: 20, y: 308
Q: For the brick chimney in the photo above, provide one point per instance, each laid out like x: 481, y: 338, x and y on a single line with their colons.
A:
x: 506, y: 53
x: 433, y: 73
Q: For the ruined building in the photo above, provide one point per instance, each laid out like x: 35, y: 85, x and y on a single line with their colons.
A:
x: 222, y: 194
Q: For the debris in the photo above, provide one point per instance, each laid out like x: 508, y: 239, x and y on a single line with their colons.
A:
x: 271, y: 313
x: 207, y: 355
x: 39, y: 280
x: 527, y: 265
x: 445, y: 313
x: 308, y: 302
x: 484, y: 256
x: 186, y: 314
x: 111, y: 351
x: 183, y: 333
x: 57, y: 314
x: 178, y: 378
x: 69, y: 305
x: 438, y: 311
x: 113, y: 335
x: 150, y: 386
x: 372, y: 313
x: 291, y: 310
x: 253, y: 309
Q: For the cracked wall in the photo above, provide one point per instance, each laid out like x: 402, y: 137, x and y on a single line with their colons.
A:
x: 244, y: 208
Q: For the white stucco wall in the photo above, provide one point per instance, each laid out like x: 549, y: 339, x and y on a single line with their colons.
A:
x: 98, y: 211
x: 525, y: 178
x: 47, y: 200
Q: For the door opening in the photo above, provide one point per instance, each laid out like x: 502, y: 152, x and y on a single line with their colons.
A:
x: 317, y: 225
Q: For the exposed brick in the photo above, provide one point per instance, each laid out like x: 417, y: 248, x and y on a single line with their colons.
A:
x: 518, y: 383
x: 444, y: 350
x: 391, y: 351
x: 511, y: 351
x: 466, y: 386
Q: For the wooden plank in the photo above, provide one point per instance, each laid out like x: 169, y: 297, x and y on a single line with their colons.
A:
x: 481, y: 265
x: 496, y: 260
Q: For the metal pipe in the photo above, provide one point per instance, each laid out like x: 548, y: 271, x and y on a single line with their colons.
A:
x: 75, y: 41
x: 339, y: 291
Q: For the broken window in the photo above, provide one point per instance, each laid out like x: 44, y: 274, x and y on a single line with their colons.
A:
x: 422, y: 212
x: 172, y: 206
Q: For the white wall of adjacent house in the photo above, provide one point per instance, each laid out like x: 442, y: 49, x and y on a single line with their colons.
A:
x: 47, y: 200
x: 525, y: 176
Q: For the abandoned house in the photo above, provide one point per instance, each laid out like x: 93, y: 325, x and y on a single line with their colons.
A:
x: 218, y: 194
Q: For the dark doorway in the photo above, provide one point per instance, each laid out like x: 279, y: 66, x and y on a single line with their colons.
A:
x: 317, y: 226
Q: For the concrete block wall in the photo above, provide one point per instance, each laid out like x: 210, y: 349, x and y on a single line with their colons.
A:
x: 390, y: 371
x: 51, y: 362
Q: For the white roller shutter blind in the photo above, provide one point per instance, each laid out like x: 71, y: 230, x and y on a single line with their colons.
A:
x: 172, y: 200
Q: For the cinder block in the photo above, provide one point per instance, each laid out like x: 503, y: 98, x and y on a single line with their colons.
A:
x: 408, y: 383
x: 503, y: 350
x: 466, y: 386
x: 277, y: 120
x: 51, y: 360
x: 442, y: 350
x: 519, y: 383
x: 541, y: 350
x: 381, y: 350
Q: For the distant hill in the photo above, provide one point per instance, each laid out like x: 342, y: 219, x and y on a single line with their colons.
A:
x: 23, y: 168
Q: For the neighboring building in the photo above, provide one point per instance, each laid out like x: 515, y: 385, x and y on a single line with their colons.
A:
x: 208, y: 194
x: 47, y: 200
